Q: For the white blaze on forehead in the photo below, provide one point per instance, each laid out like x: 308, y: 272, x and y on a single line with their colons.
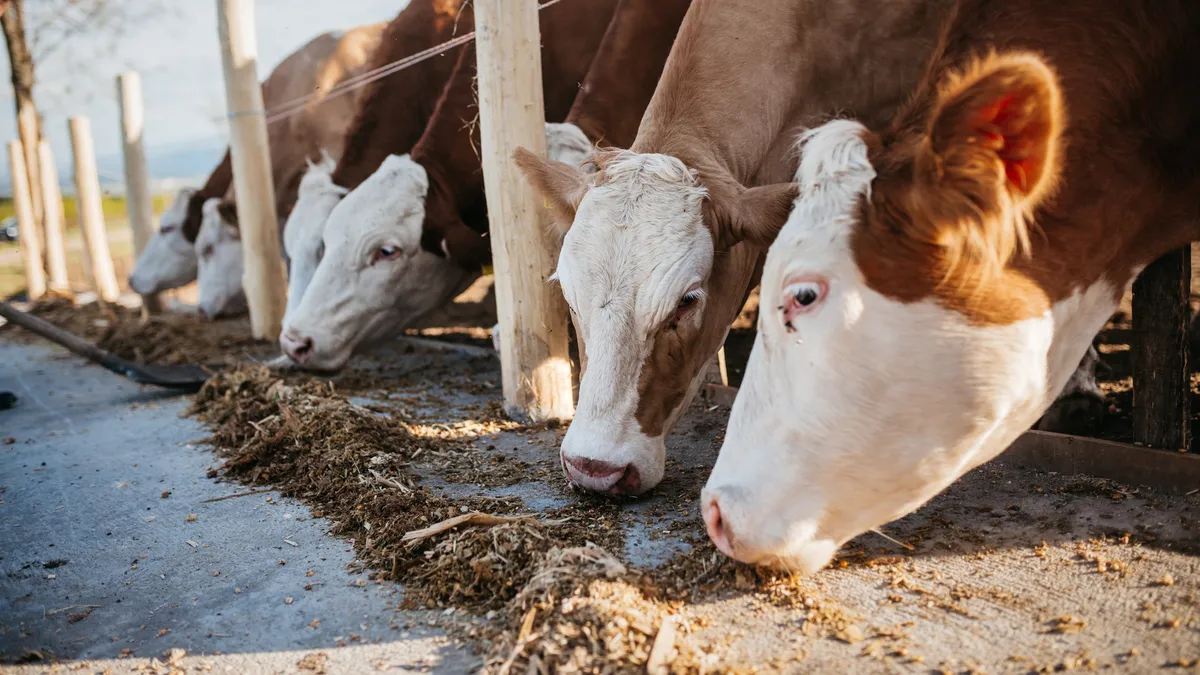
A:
x: 637, y: 245
x: 219, y: 254
x: 352, y: 301
x: 305, y: 228
x: 168, y: 260
x: 867, y: 407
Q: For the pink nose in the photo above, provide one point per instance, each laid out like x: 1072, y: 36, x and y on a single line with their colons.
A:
x: 598, y: 476
x: 717, y: 527
x: 297, y: 347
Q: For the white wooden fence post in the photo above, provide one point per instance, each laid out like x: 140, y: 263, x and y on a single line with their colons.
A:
x: 91, y: 210
x: 263, y: 279
x: 138, y: 203
x: 52, y: 219
x: 534, y: 360
x: 31, y: 252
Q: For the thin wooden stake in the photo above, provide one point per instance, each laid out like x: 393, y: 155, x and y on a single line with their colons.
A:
x: 137, y: 176
x: 263, y: 278
x: 535, y: 363
x: 91, y: 210
x: 53, y: 219
x: 31, y: 252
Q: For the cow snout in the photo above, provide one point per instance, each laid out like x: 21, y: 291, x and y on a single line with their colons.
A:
x: 297, y: 347
x: 716, y: 526
x: 599, y: 476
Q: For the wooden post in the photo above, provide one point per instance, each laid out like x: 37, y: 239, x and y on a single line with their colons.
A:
x: 28, y: 128
x: 31, y: 252
x: 53, y: 219
x: 534, y: 359
x: 1161, y: 377
x: 91, y: 210
x: 138, y: 204
x: 263, y: 279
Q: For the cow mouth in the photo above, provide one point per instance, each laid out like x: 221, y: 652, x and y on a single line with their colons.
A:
x: 597, y: 476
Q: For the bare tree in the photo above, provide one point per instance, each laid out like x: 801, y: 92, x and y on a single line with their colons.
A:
x: 12, y: 19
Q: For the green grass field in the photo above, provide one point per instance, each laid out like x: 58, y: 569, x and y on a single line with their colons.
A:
x: 12, y: 269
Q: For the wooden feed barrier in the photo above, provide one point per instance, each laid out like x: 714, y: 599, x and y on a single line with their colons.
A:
x: 1162, y: 455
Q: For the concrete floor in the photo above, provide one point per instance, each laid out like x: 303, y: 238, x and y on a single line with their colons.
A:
x: 84, y: 525
x: 1012, y: 571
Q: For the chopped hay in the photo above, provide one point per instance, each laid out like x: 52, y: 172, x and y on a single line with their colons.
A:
x: 164, y: 339
x: 583, y: 612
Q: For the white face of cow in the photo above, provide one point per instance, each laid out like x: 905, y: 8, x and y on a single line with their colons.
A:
x: 634, y: 268
x: 303, y: 235
x: 862, y: 400
x: 169, y: 260
x: 374, y: 278
x: 219, y: 253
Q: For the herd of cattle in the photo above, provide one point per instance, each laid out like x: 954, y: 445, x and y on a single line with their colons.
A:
x: 942, y: 202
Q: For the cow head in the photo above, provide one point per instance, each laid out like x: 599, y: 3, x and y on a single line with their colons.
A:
x: 303, y: 235
x: 654, y: 272
x: 905, y: 336
x: 168, y: 260
x: 374, y: 278
x: 219, y: 254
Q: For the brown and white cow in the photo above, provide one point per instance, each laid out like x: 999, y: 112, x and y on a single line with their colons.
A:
x: 393, y: 113
x: 938, y: 280
x: 316, y: 131
x: 412, y: 236
x: 664, y: 243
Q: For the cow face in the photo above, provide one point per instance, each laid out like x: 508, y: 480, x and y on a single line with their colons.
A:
x: 374, y: 278
x: 904, y: 336
x: 169, y: 259
x: 651, y: 298
x: 219, y: 255
x: 303, y: 235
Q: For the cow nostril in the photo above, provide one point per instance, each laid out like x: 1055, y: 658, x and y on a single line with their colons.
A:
x: 715, y: 525
x: 298, y: 349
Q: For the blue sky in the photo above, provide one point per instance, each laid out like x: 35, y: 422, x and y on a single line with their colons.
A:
x: 175, y: 49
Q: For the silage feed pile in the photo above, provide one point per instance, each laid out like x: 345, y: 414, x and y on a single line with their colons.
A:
x: 557, y: 597
x: 162, y: 339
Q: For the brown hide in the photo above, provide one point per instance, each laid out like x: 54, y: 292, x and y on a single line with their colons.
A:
x: 396, y: 108
x: 301, y: 137
x: 626, y: 69
x: 448, y: 150
x: 741, y: 80
x: 1129, y: 187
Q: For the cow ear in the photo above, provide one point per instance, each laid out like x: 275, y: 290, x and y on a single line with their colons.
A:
x: 228, y: 212
x: 759, y: 213
x: 990, y: 158
x: 562, y: 186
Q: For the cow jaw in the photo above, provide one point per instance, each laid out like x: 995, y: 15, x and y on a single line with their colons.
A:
x: 219, y: 254
x: 374, y: 279
x: 168, y: 260
x: 303, y: 235
x: 857, y: 407
x: 634, y: 268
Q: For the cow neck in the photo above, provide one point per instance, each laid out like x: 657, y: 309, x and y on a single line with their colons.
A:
x: 218, y: 183
x: 626, y: 70
x: 396, y: 108
x: 1126, y: 194
x: 448, y: 151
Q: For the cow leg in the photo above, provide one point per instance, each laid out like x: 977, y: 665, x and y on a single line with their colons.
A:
x: 1080, y: 406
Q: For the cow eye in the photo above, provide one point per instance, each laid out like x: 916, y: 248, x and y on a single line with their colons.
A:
x: 207, y: 252
x: 320, y: 251
x: 385, y: 252
x: 799, y: 297
x: 689, y: 299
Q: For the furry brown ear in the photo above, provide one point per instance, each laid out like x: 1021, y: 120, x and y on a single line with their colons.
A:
x: 759, y: 213
x: 562, y: 186
x: 990, y: 157
x: 228, y: 212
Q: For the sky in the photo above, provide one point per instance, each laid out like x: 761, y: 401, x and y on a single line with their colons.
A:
x: 174, y: 46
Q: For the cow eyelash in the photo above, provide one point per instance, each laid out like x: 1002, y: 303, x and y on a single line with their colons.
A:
x: 687, y: 302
